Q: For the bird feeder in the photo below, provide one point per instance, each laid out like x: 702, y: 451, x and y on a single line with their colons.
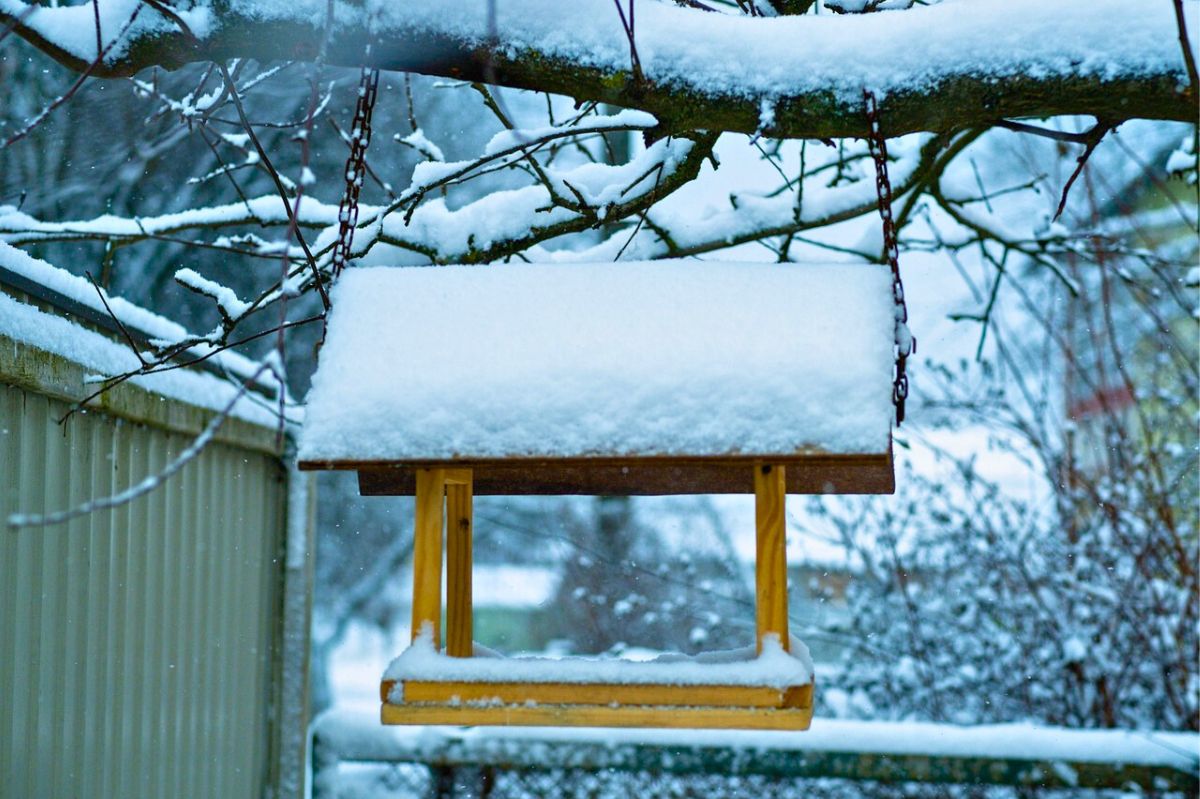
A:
x: 683, y: 377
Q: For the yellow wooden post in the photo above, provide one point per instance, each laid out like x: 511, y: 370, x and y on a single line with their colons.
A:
x: 770, y: 494
x: 458, y: 563
x: 427, y: 554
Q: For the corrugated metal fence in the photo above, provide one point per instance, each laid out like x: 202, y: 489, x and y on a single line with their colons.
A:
x: 142, y: 648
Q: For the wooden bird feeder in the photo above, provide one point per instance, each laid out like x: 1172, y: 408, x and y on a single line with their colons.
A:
x: 606, y: 379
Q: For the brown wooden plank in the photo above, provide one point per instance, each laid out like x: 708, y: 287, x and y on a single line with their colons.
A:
x: 519, y: 693
x: 756, y: 718
x: 459, y: 634
x: 770, y: 558
x: 427, y: 553
x: 807, y: 474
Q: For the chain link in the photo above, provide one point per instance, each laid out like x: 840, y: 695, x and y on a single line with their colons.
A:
x: 356, y: 167
x: 906, y: 343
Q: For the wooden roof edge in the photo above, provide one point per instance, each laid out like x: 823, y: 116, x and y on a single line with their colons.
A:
x: 800, y: 458
x: 861, y: 474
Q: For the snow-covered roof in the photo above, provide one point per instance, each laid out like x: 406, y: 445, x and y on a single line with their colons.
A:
x: 678, y: 360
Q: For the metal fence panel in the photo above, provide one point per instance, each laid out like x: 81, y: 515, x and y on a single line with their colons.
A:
x: 136, y: 645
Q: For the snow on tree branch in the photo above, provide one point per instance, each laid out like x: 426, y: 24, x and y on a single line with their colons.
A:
x: 936, y: 68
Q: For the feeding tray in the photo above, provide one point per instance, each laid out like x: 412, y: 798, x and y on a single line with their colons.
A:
x: 629, y: 378
x: 772, y: 689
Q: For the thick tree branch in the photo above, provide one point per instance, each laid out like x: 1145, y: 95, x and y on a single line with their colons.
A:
x: 935, y: 68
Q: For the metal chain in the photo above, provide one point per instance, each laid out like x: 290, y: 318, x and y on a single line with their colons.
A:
x: 356, y: 167
x: 906, y: 344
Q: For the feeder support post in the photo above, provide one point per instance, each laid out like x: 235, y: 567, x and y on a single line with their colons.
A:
x: 770, y: 562
x: 427, y: 554
x: 459, y: 491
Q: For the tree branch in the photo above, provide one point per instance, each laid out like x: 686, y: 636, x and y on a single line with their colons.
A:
x: 967, y: 80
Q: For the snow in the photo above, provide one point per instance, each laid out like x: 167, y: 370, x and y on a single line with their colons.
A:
x: 225, y: 298
x: 625, y: 119
x: 97, y: 353
x: 678, y: 358
x: 513, y: 214
x: 727, y: 205
x: 19, y: 227
x: 773, y: 668
x: 895, y: 52
x: 357, y: 735
x: 80, y: 290
x: 102, y: 355
x: 73, y: 28
x: 690, y: 214
x: 1183, y: 157
x: 421, y: 143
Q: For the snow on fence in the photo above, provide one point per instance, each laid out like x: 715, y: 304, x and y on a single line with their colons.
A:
x: 145, y: 650
x: 1020, y: 755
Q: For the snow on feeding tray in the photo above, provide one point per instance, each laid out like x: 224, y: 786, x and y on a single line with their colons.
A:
x: 627, y: 378
x: 713, y: 688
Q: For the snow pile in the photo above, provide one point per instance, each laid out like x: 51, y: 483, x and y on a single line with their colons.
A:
x: 773, y: 668
x: 134, y: 317
x: 104, y: 356
x: 684, y: 358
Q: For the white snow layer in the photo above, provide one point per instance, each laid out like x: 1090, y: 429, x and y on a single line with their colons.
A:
x: 908, y: 50
x: 773, y: 668
x: 354, y: 733
x: 102, y: 355
x: 133, y: 316
x: 677, y: 358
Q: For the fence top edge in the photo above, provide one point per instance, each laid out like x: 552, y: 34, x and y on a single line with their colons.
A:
x: 357, y: 735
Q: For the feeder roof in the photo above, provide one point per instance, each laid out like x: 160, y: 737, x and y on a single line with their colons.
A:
x: 613, y: 364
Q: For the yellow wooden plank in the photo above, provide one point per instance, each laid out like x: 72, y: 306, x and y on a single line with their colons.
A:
x: 458, y: 566
x: 518, y: 693
x: 457, y: 477
x: 597, y: 716
x: 427, y: 553
x: 770, y: 494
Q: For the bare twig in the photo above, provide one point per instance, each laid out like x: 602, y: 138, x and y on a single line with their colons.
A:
x: 1093, y: 139
x: 74, y: 88
x: 146, y: 485
x: 1046, y: 133
x: 1189, y: 59
x: 318, y: 282
x: 120, y: 325
x: 627, y: 22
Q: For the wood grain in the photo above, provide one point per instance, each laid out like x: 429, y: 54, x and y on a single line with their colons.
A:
x: 653, y: 476
x: 427, y: 553
x: 518, y: 693
x: 459, y: 521
x: 770, y: 560
x: 595, y: 716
